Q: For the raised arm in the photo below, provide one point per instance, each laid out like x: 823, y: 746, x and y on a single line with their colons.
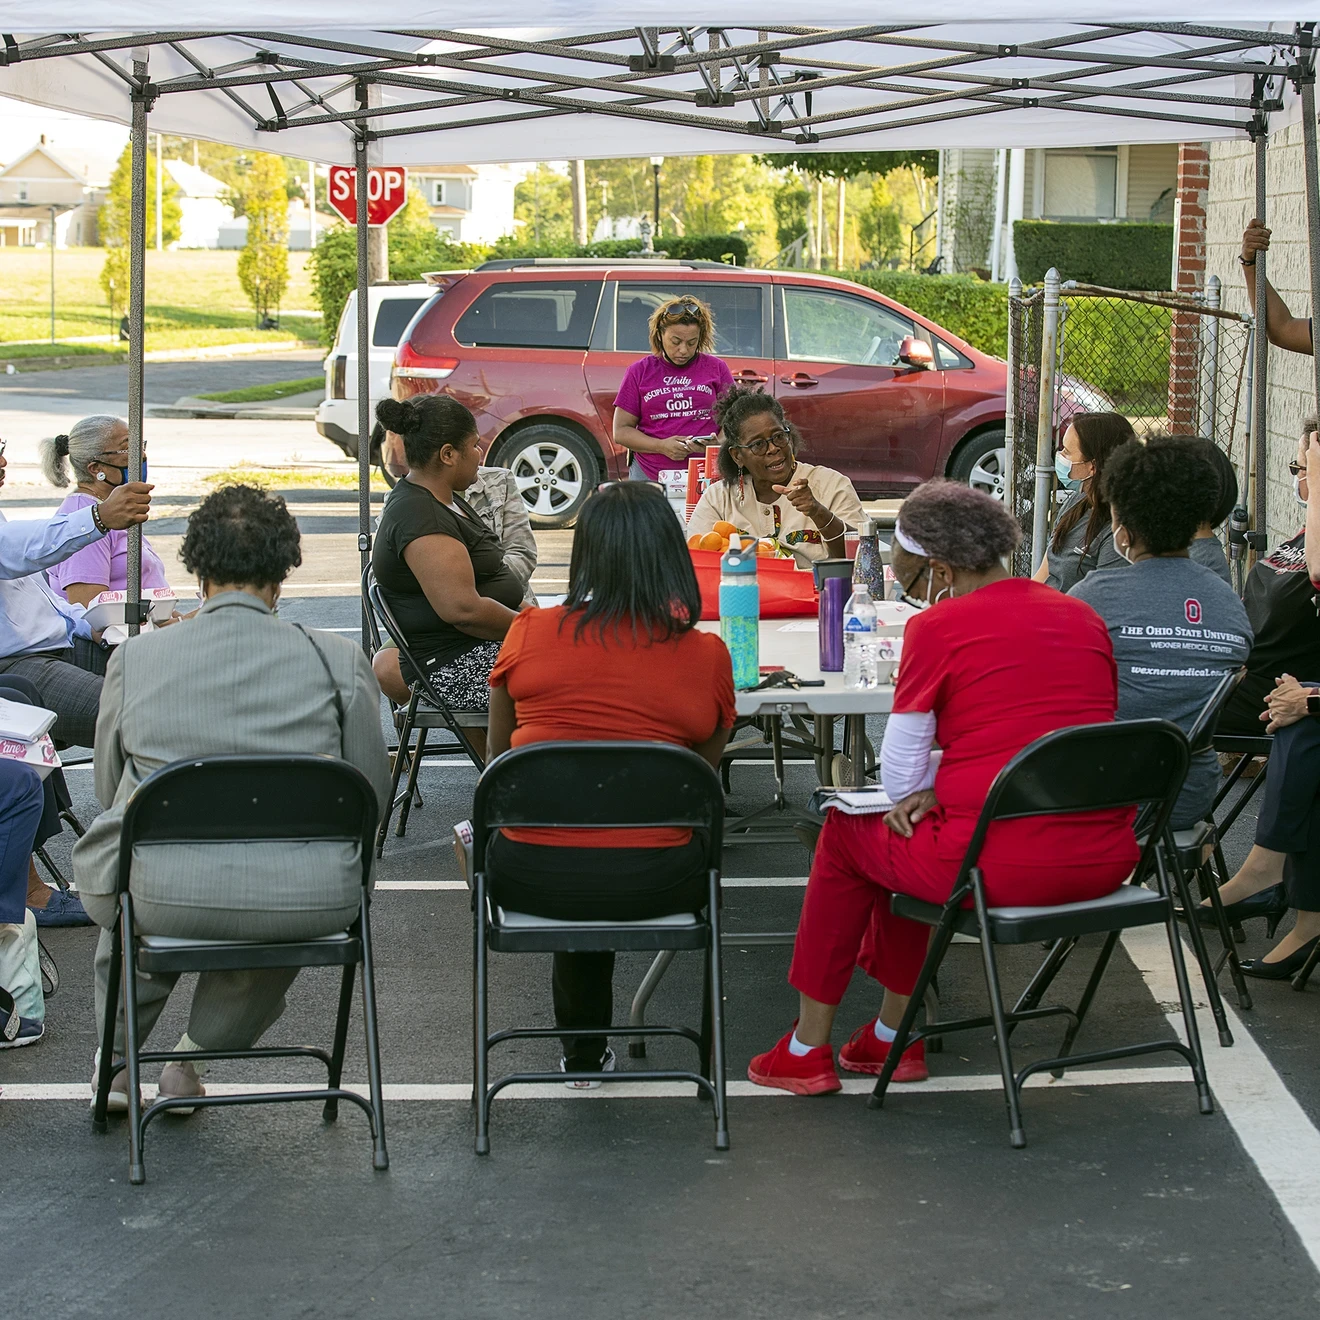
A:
x: 1284, y: 329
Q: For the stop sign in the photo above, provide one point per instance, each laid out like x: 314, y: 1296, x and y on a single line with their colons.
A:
x: 387, y: 192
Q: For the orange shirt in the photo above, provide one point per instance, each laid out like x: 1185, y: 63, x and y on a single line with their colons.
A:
x: 594, y: 689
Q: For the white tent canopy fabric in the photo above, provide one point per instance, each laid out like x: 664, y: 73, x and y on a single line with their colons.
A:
x: 296, y: 84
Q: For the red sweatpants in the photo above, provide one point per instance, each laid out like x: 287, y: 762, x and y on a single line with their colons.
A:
x: 860, y: 862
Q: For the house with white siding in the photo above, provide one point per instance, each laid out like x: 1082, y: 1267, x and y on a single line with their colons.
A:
x: 983, y: 187
x: 468, y: 203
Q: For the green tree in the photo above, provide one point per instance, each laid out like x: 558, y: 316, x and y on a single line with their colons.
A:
x: 543, y: 207
x: 792, y: 199
x: 849, y: 164
x: 880, y: 225
x: 263, y: 265
x: 113, y: 221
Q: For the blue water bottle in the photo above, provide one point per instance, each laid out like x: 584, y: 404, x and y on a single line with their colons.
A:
x: 740, y: 612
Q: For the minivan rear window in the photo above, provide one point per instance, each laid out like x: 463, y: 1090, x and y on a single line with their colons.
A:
x: 392, y: 317
x: 540, y: 315
x: 736, y: 308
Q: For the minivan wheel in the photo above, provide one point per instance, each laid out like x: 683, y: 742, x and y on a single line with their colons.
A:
x: 554, y: 469
x: 982, y: 463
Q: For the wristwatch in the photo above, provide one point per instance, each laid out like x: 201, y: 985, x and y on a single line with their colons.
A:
x: 1313, y: 702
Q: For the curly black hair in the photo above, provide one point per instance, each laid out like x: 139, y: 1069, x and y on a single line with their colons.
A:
x: 1160, y: 493
x: 964, y: 527
x: 427, y: 423
x: 241, y: 536
x: 734, y: 407
x: 1227, y: 497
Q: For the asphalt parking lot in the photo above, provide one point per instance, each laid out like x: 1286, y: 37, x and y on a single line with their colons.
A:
x: 1126, y: 1202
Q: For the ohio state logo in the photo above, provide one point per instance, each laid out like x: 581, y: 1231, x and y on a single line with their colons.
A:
x: 1192, y: 608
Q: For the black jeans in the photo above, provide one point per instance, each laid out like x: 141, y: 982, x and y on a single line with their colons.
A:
x: 593, y: 884
x: 1289, y: 820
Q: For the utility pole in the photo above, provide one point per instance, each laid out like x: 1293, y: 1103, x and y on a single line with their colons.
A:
x: 656, y: 162
x: 160, y: 197
x: 579, y: 168
x: 311, y: 203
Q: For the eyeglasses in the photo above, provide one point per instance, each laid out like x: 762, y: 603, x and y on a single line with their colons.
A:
x: 683, y: 310
x: 781, y: 439
x: 1295, y: 469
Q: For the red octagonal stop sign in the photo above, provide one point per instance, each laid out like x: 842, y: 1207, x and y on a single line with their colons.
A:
x: 387, y: 192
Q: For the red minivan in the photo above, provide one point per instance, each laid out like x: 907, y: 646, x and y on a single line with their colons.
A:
x: 537, y: 350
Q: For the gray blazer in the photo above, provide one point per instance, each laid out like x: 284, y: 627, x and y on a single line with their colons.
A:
x: 235, y: 679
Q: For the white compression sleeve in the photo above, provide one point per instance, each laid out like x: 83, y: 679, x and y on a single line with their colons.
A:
x: 906, y: 763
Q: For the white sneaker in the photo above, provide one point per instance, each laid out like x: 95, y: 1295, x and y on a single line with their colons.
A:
x: 606, y: 1065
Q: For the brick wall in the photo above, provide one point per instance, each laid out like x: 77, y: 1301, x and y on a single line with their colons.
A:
x: 1190, y: 275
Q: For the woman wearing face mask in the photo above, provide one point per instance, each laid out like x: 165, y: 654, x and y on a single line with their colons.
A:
x: 1081, y: 541
x: 664, y: 411
x: 992, y: 664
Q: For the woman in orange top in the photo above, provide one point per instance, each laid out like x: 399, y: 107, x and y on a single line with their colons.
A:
x: 620, y: 659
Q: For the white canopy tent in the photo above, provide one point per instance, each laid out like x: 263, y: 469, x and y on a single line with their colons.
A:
x: 309, y: 81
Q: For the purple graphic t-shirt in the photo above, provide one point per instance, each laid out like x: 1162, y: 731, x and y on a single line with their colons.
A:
x: 669, y: 401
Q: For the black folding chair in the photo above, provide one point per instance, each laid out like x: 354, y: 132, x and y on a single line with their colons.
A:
x: 426, y: 710
x: 232, y: 801
x: 600, y: 785
x: 1094, y: 767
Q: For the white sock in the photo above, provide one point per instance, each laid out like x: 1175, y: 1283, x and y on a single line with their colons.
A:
x: 797, y: 1048
x: 884, y: 1033
x: 186, y: 1042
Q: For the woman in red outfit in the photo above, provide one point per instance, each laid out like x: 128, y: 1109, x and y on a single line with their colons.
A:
x: 992, y: 663
x: 620, y: 659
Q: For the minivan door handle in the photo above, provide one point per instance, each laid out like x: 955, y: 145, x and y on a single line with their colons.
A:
x: 750, y: 377
x: 800, y: 380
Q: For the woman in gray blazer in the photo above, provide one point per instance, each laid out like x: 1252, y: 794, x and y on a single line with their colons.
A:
x: 234, y: 679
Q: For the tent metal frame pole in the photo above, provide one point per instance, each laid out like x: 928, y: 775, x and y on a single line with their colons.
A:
x: 364, y: 357
x: 1260, y: 353
x: 1014, y: 352
x: 1049, y: 356
x: 1306, y: 87
x: 137, y: 287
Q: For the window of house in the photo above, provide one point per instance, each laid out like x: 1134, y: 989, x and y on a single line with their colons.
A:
x: 1081, y: 185
x: 22, y: 192
x: 532, y: 315
x: 437, y: 192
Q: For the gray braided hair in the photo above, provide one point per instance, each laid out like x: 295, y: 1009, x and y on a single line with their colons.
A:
x: 87, y: 439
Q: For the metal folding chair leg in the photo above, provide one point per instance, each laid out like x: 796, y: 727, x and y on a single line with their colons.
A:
x: 380, y: 1158
x: 480, y: 1042
x: 414, y: 768
x: 137, y: 1173
x: 1197, y: 934
x: 1299, y: 981
x: 331, y: 1111
x: 396, y: 771
x: 1209, y: 887
x: 716, y: 981
x: 1017, y: 1136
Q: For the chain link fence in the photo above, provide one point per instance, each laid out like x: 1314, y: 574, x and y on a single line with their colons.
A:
x: 1171, y: 364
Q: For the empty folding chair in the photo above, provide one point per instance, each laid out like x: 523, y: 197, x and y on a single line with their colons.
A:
x: 600, y: 785
x: 232, y: 801
x: 1094, y: 767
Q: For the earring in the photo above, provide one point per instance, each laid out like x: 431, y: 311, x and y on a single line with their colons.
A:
x: 100, y: 476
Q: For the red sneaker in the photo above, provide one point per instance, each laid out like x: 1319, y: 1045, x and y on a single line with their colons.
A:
x: 807, y: 1074
x: 865, y: 1052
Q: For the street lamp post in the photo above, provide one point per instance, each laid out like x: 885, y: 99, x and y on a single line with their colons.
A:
x: 656, y: 162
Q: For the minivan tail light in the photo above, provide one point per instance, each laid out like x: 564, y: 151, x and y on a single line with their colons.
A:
x: 439, y: 369
x: 337, y: 384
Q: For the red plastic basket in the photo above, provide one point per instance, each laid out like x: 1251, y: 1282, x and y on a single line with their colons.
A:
x: 787, y: 592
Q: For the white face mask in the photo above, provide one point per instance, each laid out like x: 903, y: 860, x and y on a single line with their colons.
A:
x: 1118, y: 549
x: 1297, y: 490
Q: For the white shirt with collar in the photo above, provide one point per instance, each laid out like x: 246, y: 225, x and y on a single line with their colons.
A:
x: 32, y: 617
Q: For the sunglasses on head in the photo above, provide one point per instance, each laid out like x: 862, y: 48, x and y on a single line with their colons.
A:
x: 683, y: 310
x: 781, y: 439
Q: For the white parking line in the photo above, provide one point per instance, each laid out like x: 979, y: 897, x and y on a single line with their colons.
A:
x: 462, y: 1091
x: 1272, y: 1127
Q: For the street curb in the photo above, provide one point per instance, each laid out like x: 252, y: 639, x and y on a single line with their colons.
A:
x: 29, y: 364
x: 210, y: 410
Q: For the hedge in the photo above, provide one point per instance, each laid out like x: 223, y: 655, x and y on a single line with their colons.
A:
x: 965, y: 306
x: 1118, y: 256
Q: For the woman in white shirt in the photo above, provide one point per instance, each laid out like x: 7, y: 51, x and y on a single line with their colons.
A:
x: 764, y: 491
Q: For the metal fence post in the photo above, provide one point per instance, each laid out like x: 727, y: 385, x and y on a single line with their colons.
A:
x: 1208, y: 426
x: 1049, y: 354
x: 364, y: 361
x: 1011, y: 393
x: 1259, y: 359
x: 137, y: 284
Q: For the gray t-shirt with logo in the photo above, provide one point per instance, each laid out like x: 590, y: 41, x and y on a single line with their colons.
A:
x: 1177, y: 629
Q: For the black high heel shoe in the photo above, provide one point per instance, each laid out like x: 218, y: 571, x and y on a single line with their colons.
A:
x: 1283, y: 970
x: 1271, y: 903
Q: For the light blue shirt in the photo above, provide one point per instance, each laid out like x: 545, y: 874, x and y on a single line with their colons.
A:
x: 32, y: 617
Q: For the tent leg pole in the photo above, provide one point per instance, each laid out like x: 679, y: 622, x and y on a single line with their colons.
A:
x: 363, y: 361
x: 137, y: 282
x: 1260, y: 360
x: 1307, y: 90
x: 1049, y: 353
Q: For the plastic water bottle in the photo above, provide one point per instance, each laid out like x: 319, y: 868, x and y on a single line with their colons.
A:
x: 861, y: 660
x: 740, y: 612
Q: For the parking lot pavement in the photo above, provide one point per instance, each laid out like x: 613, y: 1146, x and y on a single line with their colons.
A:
x: 1126, y: 1203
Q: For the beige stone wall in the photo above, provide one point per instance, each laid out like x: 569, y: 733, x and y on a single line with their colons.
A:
x: 1232, y: 195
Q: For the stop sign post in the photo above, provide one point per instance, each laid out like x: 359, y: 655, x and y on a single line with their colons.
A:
x: 387, y: 193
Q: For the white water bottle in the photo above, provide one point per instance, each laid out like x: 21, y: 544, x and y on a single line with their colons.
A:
x: 861, y: 661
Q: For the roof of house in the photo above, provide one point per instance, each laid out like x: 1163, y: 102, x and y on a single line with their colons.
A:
x: 448, y: 170
x: 447, y: 210
x: 193, y: 181
x: 88, y: 167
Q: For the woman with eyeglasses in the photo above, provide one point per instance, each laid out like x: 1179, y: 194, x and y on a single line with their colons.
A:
x: 1082, y: 539
x: 764, y: 491
x: 664, y: 411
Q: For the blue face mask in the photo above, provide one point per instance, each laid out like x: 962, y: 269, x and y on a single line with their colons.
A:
x: 123, y: 471
x: 1063, y: 470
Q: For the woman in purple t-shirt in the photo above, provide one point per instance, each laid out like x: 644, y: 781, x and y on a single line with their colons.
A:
x: 664, y: 411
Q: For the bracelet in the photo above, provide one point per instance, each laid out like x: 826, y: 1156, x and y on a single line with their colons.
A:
x: 97, y: 521
x: 1243, y: 261
x: 836, y: 518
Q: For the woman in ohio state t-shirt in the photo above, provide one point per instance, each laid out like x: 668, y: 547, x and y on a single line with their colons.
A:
x: 664, y: 411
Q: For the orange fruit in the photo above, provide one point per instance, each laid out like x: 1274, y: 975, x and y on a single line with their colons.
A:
x: 711, y: 541
x: 724, y: 544
x: 765, y: 547
x: 724, y: 528
x: 694, y: 541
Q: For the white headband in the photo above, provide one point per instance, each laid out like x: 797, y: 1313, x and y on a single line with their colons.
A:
x: 908, y: 544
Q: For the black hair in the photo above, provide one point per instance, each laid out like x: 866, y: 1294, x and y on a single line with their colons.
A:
x: 737, y: 405
x: 964, y: 527
x: 1160, y: 493
x: 630, y: 566
x: 427, y: 423
x: 1215, y: 513
x: 1099, y: 435
x: 241, y: 536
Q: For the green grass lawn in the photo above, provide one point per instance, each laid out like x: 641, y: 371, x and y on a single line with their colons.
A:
x: 194, y: 300
x: 261, y: 393
x: 293, y: 478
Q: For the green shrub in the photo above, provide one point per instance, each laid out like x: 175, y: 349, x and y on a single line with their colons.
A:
x: 1121, y: 348
x: 965, y: 306
x: 1117, y: 256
